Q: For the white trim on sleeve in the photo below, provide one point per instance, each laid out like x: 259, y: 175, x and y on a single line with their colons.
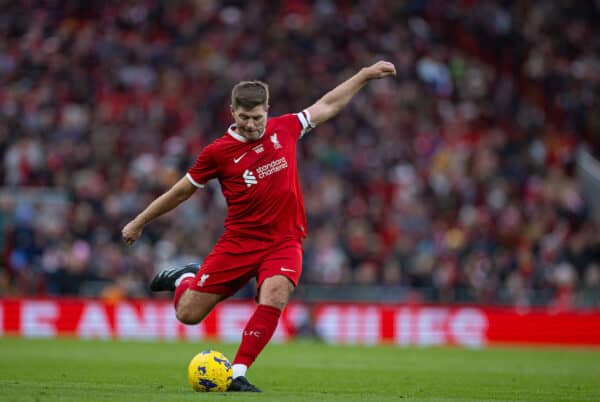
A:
x: 302, y: 119
x: 307, y: 125
x: 310, y: 123
x: 194, y: 182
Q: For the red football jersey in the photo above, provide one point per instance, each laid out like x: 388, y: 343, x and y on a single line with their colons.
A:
x: 259, y: 179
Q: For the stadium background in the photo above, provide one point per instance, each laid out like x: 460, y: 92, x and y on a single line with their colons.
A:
x: 470, y: 179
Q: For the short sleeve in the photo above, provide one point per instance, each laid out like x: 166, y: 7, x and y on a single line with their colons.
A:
x: 305, y: 122
x: 203, y: 169
x: 297, y: 123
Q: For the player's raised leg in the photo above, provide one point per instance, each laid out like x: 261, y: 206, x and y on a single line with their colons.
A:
x: 169, y: 278
x: 190, y: 306
x: 193, y: 305
x: 274, y: 294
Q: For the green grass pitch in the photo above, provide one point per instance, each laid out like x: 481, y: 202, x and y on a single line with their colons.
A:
x: 87, y: 371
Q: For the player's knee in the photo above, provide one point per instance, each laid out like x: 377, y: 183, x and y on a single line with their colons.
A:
x: 184, y: 317
x: 274, y: 302
x: 194, y: 306
x: 187, y: 316
x: 276, y: 296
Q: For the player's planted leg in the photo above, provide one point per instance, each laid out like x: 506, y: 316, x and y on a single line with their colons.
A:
x: 273, y: 296
x: 241, y: 384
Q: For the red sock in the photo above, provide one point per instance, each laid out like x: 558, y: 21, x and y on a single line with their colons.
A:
x: 183, y: 286
x: 257, y: 333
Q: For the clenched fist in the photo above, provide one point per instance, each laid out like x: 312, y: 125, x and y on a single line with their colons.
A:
x: 131, y: 232
x: 379, y: 70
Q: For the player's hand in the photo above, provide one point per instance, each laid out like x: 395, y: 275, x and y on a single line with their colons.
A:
x: 131, y: 232
x: 379, y: 70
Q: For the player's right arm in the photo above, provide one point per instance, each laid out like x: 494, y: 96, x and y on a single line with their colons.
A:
x: 181, y: 191
x: 204, y: 169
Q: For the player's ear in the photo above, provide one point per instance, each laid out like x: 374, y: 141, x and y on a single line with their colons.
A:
x: 232, y: 110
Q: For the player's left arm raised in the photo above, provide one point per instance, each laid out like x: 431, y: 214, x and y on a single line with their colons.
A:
x: 335, y: 100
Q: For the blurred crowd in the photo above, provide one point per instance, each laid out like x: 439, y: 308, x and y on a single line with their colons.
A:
x: 454, y: 182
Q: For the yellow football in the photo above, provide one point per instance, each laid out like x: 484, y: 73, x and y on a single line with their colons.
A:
x: 210, y: 371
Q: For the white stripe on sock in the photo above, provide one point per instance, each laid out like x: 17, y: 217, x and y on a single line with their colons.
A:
x: 182, y: 277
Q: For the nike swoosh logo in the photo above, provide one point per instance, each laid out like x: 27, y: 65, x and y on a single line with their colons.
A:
x: 287, y: 269
x: 239, y: 158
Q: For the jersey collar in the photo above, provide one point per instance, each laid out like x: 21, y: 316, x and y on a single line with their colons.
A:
x: 231, y: 131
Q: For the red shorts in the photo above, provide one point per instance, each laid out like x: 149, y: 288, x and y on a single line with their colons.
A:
x: 231, y: 265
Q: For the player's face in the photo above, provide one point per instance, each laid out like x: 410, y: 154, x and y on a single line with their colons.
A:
x: 250, y: 122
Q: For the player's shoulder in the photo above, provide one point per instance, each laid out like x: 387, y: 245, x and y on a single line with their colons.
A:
x: 296, y: 124
x: 283, y: 120
x: 223, y: 141
x: 217, y: 147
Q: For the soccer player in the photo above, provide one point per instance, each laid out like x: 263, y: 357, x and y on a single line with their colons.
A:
x: 255, y: 163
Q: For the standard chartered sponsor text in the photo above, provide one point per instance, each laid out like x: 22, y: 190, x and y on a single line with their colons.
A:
x: 272, y: 167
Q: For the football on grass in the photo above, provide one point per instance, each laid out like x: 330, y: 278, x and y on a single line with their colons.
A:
x: 210, y: 371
